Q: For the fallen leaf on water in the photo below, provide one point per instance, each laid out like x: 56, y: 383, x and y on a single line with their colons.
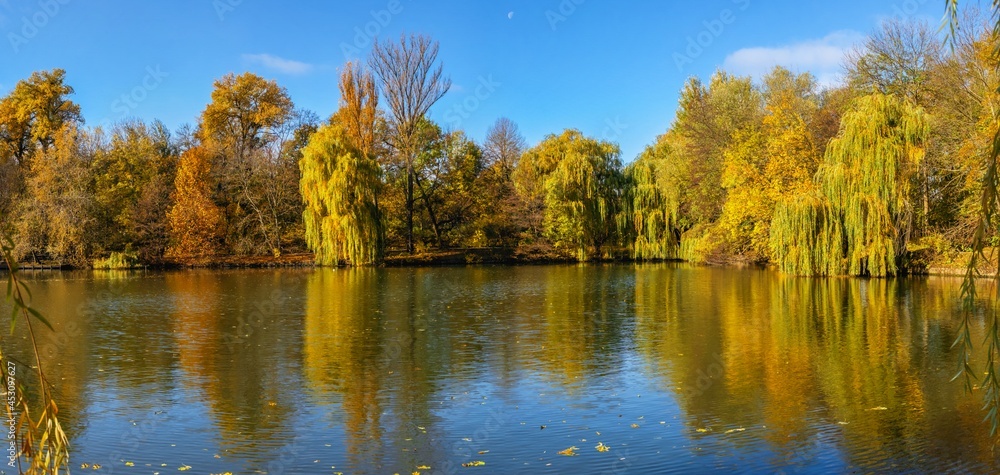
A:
x: 635, y: 426
x: 184, y: 468
x: 129, y: 464
x: 702, y: 429
x: 466, y: 439
x: 481, y: 452
x: 601, y: 447
x: 843, y: 423
x: 423, y: 467
x: 879, y: 408
x: 474, y: 463
x: 568, y: 452
x: 730, y: 431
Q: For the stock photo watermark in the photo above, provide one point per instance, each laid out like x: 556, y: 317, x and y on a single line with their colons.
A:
x: 562, y: 12
x: 10, y: 390
x: 34, y: 23
x: 471, y: 103
x: 225, y: 7
x: 711, y: 30
x: 364, y: 35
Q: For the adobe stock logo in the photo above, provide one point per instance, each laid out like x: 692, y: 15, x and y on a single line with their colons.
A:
x: 713, y: 29
x: 34, y: 23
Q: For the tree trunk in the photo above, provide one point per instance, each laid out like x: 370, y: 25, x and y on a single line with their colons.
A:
x: 409, y: 207
x: 433, y: 216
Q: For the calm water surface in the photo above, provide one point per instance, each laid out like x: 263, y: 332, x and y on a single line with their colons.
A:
x: 677, y: 369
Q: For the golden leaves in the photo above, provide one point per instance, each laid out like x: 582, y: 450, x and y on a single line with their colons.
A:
x: 570, y: 452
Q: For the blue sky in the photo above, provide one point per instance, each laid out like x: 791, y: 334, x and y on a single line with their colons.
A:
x: 612, y: 69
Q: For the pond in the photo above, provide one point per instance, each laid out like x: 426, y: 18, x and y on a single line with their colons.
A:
x: 671, y: 368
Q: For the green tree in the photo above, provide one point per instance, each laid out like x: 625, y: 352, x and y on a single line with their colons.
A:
x: 650, y: 221
x: 132, y: 178
x: 858, y: 219
x: 581, y: 182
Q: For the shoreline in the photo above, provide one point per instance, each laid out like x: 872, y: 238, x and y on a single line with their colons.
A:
x: 447, y: 258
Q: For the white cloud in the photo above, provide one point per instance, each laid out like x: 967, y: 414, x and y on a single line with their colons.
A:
x: 281, y: 65
x: 823, y: 57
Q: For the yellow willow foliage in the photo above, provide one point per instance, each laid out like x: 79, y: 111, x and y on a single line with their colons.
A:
x: 339, y: 187
x: 582, y: 191
x: 649, y: 216
x: 858, y: 220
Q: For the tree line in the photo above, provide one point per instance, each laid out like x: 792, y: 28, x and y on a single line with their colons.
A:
x: 856, y: 178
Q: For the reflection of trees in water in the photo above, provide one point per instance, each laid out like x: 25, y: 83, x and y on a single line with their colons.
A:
x: 798, y: 356
x: 585, y: 322
x: 341, y: 354
x: 246, y: 384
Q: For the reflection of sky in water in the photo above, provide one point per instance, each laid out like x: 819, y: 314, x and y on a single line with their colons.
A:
x: 675, y: 368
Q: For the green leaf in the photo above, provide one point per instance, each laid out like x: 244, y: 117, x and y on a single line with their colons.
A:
x: 40, y: 318
x: 24, y: 287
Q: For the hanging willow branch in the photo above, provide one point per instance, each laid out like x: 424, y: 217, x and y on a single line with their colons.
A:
x: 988, y: 207
x: 859, y: 218
x: 339, y: 187
x: 42, y: 441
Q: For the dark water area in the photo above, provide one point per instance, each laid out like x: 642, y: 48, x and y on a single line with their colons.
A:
x: 675, y: 369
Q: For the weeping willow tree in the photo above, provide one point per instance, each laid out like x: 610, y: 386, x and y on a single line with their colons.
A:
x: 859, y: 217
x: 339, y: 188
x: 648, y: 219
x: 581, y: 183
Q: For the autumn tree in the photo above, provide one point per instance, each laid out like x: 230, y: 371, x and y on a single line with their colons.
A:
x: 858, y: 219
x: 581, y: 181
x: 769, y: 162
x: 31, y: 117
x: 411, y: 83
x: 680, y: 184
x: 196, y: 222
x: 500, y: 214
x: 339, y: 185
x: 446, y: 173
x: 133, y: 176
x: 246, y: 123
x: 55, y: 217
x: 341, y: 178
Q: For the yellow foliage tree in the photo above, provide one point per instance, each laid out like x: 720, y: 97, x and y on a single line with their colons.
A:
x: 195, y: 220
x: 769, y: 163
x: 339, y: 186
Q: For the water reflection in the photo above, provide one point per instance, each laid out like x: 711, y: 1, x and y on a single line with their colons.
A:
x: 676, y: 368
